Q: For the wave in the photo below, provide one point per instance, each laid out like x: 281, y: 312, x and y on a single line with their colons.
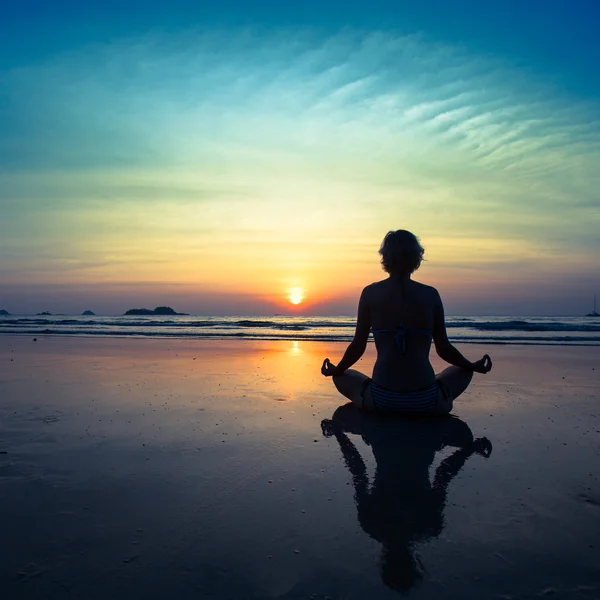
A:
x: 523, y: 326
x: 505, y: 330
x: 282, y: 335
x: 194, y: 335
x: 144, y: 322
x: 296, y: 323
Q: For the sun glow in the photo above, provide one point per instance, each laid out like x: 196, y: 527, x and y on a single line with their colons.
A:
x: 296, y: 295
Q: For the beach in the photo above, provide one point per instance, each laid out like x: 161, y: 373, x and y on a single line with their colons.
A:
x: 181, y: 468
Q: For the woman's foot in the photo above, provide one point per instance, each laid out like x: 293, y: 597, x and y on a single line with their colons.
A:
x: 327, y: 427
x: 482, y: 446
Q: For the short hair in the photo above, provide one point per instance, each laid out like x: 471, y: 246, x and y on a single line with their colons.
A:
x: 400, y: 568
x: 401, y: 252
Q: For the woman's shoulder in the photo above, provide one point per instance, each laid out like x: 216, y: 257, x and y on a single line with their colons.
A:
x: 377, y: 284
x: 375, y: 287
x: 426, y: 294
x: 422, y: 287
x: 424, y: 291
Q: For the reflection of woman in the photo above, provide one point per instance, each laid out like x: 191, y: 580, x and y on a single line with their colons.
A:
x: 402, y: 507
x: 404, y: 316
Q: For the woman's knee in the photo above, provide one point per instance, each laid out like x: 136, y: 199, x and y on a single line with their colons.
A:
x: 455, y: 380
x: 345, y: 381
x: 338, y: 382
x: 350, y: 384
x: 454, y: 371
x: 467, y: 374
x: 347, y: 376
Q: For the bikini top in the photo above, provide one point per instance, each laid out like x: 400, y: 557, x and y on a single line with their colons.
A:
x: 401, y: 331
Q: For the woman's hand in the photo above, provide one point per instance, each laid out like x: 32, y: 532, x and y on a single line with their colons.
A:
x: 328, y: 369
x: 482, y: 446
x: 328, y: 427
x: 483, y: 365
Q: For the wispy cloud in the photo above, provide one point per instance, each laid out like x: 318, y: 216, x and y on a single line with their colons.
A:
x: 296, y: 138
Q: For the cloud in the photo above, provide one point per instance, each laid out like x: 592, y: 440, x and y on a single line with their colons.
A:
x: 215, y: 141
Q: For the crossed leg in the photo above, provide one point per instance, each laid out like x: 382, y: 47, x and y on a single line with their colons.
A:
x: 353, y: 385
x: 453, y: 381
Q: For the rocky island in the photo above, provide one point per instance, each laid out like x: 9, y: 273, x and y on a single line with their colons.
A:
x: 88, y: 313
x: 4, y: 313
x: 159, y: 310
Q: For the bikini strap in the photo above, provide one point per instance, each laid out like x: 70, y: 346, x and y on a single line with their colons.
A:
x: 400, y: 337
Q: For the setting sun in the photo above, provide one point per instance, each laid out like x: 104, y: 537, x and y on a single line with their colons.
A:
x: 296, y: 295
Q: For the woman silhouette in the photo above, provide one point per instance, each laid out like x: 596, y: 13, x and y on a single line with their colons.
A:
x: 401, y: 506
x: 404, y: 316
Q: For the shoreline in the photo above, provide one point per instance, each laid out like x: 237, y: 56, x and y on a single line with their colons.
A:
x: 249, y: 338
x: 496, y: 331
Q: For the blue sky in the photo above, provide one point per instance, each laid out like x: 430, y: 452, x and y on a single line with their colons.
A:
x: 555, y: 37
x: 214, y: 155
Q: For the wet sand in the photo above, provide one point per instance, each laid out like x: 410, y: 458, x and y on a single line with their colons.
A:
x: 186, y: 469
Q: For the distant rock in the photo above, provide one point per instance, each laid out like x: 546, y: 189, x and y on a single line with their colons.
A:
x: 4, y: 313
x: 88, y: 313
x: 159, y: 310
x: 44, y: 314
x: 166, y: 310
x: 140, y: 311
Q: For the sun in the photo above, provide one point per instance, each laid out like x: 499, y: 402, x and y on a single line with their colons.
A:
x: 296, y: 295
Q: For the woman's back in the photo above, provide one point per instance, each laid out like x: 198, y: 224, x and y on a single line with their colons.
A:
x: 404, y: 317
x: 402, y: 320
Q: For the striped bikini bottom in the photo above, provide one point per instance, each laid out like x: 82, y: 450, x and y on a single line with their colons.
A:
x: 421, y: 401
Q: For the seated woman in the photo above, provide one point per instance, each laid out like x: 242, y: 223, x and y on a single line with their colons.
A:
x: 404, y: 316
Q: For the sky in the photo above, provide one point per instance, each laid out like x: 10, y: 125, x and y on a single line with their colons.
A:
x: 214, y: 156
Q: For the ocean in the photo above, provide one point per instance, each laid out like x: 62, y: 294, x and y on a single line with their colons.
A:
x: 567, y: 331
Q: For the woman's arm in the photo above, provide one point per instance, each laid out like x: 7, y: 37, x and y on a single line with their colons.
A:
x: 452, y: 464
x: 446, y: 351
x: 355, y: 464
x: 358, y: 345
